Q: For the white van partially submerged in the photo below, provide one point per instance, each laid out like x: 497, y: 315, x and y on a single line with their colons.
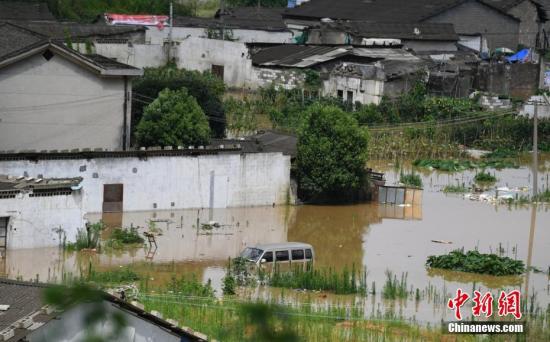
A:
x: 279, y: 252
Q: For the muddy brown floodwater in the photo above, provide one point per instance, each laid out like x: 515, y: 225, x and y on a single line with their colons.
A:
x: 377, y: 237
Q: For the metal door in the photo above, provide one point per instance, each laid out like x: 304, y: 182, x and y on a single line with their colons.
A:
x: 4, y: 232
x: 113, y: 195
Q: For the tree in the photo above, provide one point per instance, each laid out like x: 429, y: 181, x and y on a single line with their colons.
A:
x: 205, y: 87
x: 173, y: 119
x: 332, y: 155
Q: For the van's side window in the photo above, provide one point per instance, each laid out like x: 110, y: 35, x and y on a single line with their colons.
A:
x: 268, y: 256
x: 308, y: 254
x: 281, y: 255
x: 297, y: 254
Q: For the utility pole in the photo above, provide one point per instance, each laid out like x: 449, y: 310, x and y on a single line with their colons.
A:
x: 535, y: 149
x: 170, y: 32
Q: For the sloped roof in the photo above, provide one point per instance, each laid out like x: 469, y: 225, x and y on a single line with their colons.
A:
x: 247, y: 18
x: 11, y: 183
x: 385, y: 10
x: 19, y: 43
x: 410, y: 31
x: 24, y: 10
x: 59, y: 30
x: 303, y: 56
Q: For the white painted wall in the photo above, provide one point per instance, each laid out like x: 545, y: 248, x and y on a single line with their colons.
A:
x: 138, y: 55
x: 34, y: 220
x: 223, y: 180
x: 201, y: 53
x: 180, y: 34
x: 56, y: 104
x: 364, y: 91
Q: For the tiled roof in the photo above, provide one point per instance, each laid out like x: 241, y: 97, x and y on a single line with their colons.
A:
x: 12, y: 183
x: 59, y: 30
x: 411, y: 31
x: 302, y: 56
x: 23, y: 298
x: 385, y: 10
x: 14, y: 39
x: 248, y: 18
x: 24, y: 10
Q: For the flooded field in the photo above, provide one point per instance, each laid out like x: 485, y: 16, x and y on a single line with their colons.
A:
x: 379, y: 238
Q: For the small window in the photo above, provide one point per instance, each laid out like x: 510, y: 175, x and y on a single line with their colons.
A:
x: 341, y: 94
x: 308, y: 254
x: 217, y: 70
x: 47, y: 55
x: 281, y: 255
x: 297, y: 254
x: 268, y: 256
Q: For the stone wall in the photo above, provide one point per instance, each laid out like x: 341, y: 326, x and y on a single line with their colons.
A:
x: 517, y: 80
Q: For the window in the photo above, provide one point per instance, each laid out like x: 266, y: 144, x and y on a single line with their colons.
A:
x: 297, y: 254
x: 268, y: 256
x: 217, y: 70
x: 308, y: 254
x: 341, y: 94
x: 281, y: 255
x: 47, y: 55
x: 252, y: 254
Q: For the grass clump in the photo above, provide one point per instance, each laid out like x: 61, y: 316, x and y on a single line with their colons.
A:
x: 395, y: 288
x: 542, y: 197
x: 118, y: 276
x: 475, y: 262
x: 87, y: 238
x: 455, y: 165
x: 457, y: 189
x: 190, y: 286
x: 485, y: 177
x: 345, y: 282
x: 121, y: 238
x: 411, y: 179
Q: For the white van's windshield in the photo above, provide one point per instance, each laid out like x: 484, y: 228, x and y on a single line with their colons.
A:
x: 252, y: 254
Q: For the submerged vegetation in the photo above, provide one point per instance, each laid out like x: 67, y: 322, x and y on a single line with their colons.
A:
x: 307, y: 277
x: 395, y: 288
x: 484, y: 177
x: 88, y: 238
x: 455, y: 165
x: 455, y: 189
x: 475, y: 262
x: 124, y: 237
x: 411, y: 179
x: 112, y: 277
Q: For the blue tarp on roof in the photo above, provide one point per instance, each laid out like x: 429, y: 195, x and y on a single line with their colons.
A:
x: 520, y: 57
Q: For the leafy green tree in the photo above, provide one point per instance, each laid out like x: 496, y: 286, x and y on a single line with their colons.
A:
x: 205, y: 87
x: 174, y: 118
x: 332, y: 155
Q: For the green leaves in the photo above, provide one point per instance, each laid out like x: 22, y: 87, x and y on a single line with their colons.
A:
x: 332, y: 154
x: 475, y: 262
x: 173, y: 119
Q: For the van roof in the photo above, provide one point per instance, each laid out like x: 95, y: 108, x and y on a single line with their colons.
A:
x: 282, y: 245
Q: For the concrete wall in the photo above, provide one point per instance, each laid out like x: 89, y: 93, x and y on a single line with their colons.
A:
x: 526, y: 11
x: 200, y: 54
x: 35, y: 221
x: 472, y: 17
x: 138, y: 55
x: 219, y: 181
x: 364, y: 91
x: 56, y: 104
x: 429, y: 45
x: 517, y: 80
x: 180, y: 34
x: 280, y: 78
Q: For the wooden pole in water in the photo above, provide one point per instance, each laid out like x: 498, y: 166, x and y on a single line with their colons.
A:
x: 535, y: 150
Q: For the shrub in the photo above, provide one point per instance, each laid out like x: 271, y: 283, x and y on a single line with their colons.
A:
x: 484, y: 177
x: 475, y: 262
x: 87, y: 238
x: 173, y: 119
x: 122, y: 237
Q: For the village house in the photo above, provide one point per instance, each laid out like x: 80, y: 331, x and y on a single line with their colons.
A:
x: 39, y: 212
x: 26, y: 317
x: 479, y: 23
x: 54, y: 97
x: 353, y: 74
